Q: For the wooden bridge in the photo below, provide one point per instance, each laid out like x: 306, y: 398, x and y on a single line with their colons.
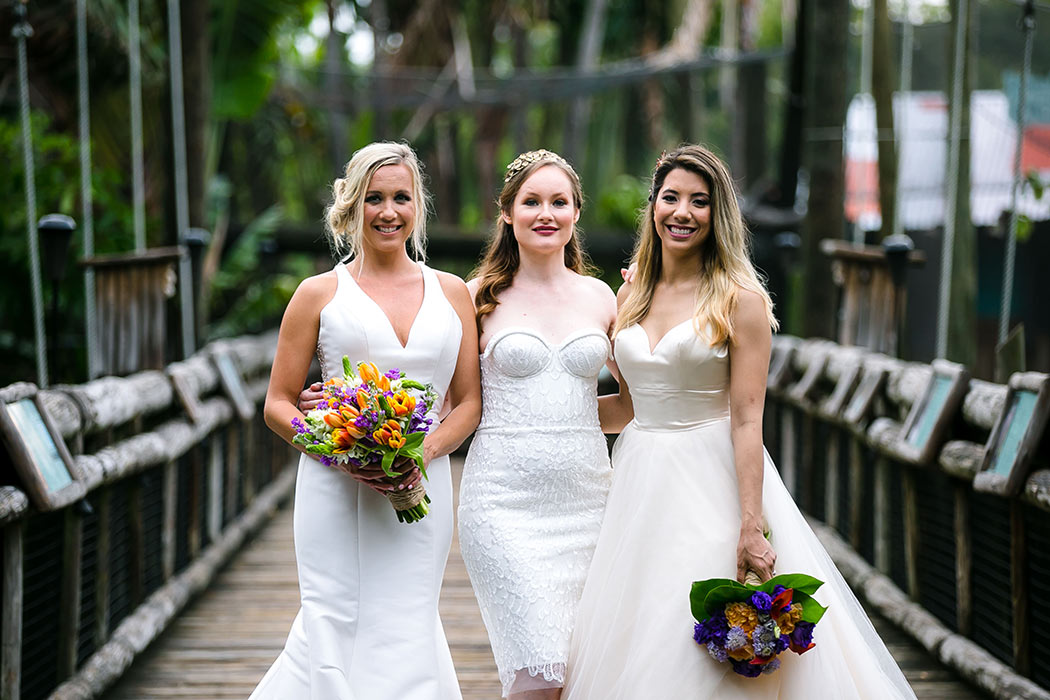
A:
x: 221, y: 646
x: 153, y: 559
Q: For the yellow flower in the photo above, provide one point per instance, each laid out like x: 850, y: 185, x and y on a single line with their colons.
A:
x: 742, y: 615
x: 402, y: 403
x: 787, y: 620
x: 343, y: 440
x: 744, y: 653
x: 389, y: 434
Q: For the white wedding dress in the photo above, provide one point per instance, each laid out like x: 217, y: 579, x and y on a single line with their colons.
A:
x: 532, y: 496
x: 673, y: 517
x: 368, y: 628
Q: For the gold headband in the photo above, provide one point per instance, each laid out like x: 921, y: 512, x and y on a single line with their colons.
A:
x: 530, y: 157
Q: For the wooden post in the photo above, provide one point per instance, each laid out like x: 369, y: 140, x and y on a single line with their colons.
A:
x: 804, y: 470
x: 11, y: 654
x: 215, y: 495
x: 881, y: 515
x: 1019, y: 589
x: 193, y: 522
x: 69, y: 606
x: 167, y: 536
x: 856, y: 491
x: 787, y: 448
x: 963, y: 560
x: 831, y: 479
x: 248, y: 434
x: 136, y: 542
x: 912, y: 535
x: 105, y: 506
x: 232, y: 477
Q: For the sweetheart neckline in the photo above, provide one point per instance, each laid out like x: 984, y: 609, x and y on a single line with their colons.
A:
x: 573, y: 336
x: 648, y: 341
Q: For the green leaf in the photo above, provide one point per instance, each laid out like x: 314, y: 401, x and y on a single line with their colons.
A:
x: 812, y: 611
x: 387, y: 464
x: 348, y: 369
x: 699, y: 592
x: 798, y: 582
x: 1036, y: 183
x: 732, y: 592
x: 385, y: 405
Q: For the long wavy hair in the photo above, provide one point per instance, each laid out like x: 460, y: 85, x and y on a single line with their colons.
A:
x: 724, y: 264
x: 344, y: 217
x: 500, y: 261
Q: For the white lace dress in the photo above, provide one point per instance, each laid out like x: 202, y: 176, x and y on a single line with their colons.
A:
x: 532, y: 497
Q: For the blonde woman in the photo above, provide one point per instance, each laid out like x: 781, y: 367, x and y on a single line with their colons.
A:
x: 369, y: 626
x: 692, y: 483
x: 536, y: 477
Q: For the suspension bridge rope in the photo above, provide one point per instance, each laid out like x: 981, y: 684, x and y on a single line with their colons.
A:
x: 22, y: 31
x: 952, y: 196
x: 87, y: 211
x: 182, y: 205
x: 1028, y: 27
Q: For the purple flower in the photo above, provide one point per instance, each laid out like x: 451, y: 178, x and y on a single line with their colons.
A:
x: 299, y: 426
x: 771, y: 666
x: 746, y: 669
x: 327, y: 461
x: 717, y: 652
x: 736, y: 638
x: 393, y: 374
x: 778, y: 589
x: 764, y: 639
x: 801, y: 637
x: 783, y: 642
x: 713, y: 629
x: 761, y: 601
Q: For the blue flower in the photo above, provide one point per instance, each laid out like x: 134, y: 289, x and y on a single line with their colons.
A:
x: 717, y: 652
x: 736, y: 638
x: 771, y: 666
x: 764, y: 639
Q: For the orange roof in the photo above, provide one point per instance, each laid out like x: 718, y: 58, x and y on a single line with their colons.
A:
x: 1035, y: 151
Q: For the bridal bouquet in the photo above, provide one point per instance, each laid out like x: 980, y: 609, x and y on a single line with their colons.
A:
x: 749, y: 625
x: 372, y: 418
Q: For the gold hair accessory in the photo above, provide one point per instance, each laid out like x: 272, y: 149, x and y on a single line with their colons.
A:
x: 530, y: 157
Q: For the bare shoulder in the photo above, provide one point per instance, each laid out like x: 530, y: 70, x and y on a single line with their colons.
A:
x: 600, y: 288
x: 316, y: 291
x: 749, y: 316
x: 455, y: 289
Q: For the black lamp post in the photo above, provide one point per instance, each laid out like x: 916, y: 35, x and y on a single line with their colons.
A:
x: 897, y: 247
x: 56, y: 233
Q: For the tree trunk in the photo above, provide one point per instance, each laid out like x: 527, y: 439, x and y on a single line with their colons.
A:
x: 791, y: 143
x: 962, y: 308
x: 196, y: 80
x: 825, y: 113
x: 337, y: 120
x: 882, y: 73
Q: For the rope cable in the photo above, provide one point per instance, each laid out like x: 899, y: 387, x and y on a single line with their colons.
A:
x: 138, y: 180
x: 87, y: 204
x: 1028, y: 27
x: 22, y: 31
x: 952, y: 196
x: 182, y: 212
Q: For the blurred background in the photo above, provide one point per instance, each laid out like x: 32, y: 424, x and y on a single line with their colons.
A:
x: 210, y: 132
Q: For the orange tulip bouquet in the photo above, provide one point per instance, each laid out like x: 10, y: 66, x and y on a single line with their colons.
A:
x: 372, y: 418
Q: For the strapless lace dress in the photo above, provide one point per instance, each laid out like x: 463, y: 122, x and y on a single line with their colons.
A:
x: 532, y: 497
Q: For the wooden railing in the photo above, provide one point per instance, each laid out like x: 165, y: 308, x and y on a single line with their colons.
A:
x: 932, y: 492
x: 172, y: 470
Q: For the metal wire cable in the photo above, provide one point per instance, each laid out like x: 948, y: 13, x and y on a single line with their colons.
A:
x: 87, y: 204
x: 182, y: 206
x: 138, y: 179
x: 1028, y: 27
x: 22, y: 31
x: 952, y: 197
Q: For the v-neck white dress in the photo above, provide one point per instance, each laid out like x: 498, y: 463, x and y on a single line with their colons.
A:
x: 368, y: 628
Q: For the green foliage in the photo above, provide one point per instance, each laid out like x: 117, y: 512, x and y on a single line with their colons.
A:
x: 620, y: 204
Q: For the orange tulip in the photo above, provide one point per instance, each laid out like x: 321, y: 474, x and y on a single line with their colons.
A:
x: 402, y: 403
x: 362, y: 398
x: 368, y: 372
x: 343, y: 440
x: 389, y: 434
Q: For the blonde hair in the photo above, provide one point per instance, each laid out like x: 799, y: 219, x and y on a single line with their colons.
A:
x: 500, y: 261
x: 725, y: 262
x: 344, y: 217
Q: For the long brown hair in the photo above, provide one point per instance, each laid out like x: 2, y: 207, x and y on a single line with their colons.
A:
x: 725, y: 261
x: 500, y: 261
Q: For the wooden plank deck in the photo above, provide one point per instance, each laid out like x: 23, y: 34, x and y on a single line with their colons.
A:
x: 223, y: 643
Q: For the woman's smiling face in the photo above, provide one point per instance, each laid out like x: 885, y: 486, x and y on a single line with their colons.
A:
x: 389, y: 212
x: 682, y: 212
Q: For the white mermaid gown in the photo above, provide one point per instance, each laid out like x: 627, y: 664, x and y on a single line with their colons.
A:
x: 531, y: 500
x: 673, y: 517
x: 368, y: 628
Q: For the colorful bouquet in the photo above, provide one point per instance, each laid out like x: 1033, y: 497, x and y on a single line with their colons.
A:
x: 749, y: 625
x: 372, y: 418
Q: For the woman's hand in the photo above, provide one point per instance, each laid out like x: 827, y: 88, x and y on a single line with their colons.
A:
x: 375, y: 478
x: 754, y: 553
x: 310, y: 397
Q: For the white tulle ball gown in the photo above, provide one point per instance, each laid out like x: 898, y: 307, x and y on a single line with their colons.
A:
x: 673, y: 517
x: 368, y: 628
x: 532, y: 496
